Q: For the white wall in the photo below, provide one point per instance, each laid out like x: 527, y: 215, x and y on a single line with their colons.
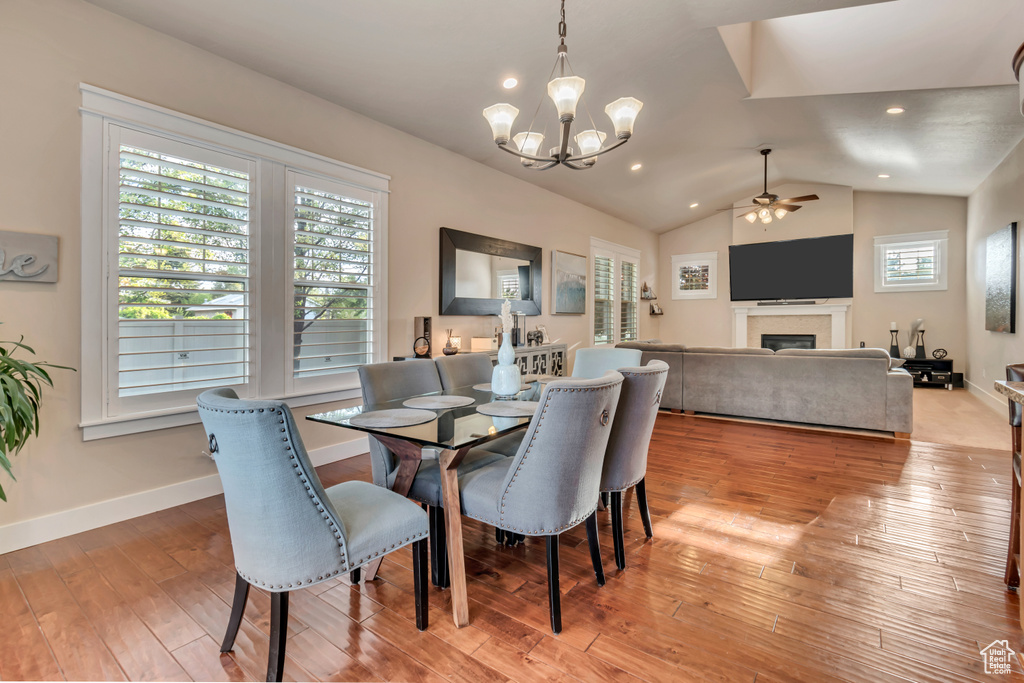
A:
x: 997, y: 202
x: 708, y: 322
x: 48, y: 47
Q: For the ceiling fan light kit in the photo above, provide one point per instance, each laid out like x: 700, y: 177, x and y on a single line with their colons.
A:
x: 566, y: 92
x: 767, y: 207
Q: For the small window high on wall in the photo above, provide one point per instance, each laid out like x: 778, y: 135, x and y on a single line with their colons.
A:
x: 911, y: 262
x: 615, y: 292
x: 213, y: 258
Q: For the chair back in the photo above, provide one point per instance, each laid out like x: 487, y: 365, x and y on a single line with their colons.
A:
x: 464, y: 369
x: 382, y: 382
x: 1015, y: 373
x: 625, y: 461
x: 284, y: 530
x: 554, y: 481
x: 592, y: 363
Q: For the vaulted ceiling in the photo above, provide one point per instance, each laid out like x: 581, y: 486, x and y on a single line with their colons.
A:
x: 809, y: 78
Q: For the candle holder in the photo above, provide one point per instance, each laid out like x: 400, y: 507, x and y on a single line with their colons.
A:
x: 919, y: 351
x: 894, y: 344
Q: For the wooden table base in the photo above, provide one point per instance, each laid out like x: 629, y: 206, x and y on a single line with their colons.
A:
x: 449, y: 462
x: 410, y: 455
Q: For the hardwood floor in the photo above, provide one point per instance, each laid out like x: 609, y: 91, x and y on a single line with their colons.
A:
x: 778, y: 556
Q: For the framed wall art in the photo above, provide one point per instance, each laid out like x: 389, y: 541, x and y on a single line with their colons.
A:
x: 568, y: 283
x: 1001, y: 280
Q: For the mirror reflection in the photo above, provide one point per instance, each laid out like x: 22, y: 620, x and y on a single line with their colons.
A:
x: 485, y: 276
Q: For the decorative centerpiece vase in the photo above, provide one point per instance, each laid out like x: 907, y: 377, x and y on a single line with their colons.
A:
x: 505, y: 376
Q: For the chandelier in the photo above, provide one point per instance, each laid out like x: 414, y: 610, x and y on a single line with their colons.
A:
x: 565, y: 91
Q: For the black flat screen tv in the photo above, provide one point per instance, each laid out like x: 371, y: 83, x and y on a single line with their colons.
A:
x: 815, y: 268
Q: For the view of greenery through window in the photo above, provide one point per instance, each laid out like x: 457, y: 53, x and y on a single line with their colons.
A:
x: 183, y: 237
x: 333, y: 245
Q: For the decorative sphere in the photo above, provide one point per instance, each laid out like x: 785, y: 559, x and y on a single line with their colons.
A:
x: 939, y: 354
x: 908, y: 352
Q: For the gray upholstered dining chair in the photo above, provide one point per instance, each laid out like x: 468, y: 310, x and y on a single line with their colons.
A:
x: 1014, y: 373
x: 381, y: 382
x: 552, y: 483
x: 287, y: 531
x: 594, y: 362
x: 625, y: 461
x: 466, y: 370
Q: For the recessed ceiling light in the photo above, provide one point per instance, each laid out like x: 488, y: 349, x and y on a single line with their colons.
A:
x: 883, y: 175
x: 636, y: 167
x: 694, y: 205
x: 895, y: 110
x: 509, y: 83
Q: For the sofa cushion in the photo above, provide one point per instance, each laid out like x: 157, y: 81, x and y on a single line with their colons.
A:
x: 747, y: 351
x: 836, y: 353
x: 652, y: 346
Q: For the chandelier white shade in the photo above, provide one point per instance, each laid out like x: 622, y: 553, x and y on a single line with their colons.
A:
x: 501, y: 116
x: 566, y: 92
x: 623, y: 113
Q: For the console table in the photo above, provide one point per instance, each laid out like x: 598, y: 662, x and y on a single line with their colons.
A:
x: 930, y: 372
x: 544, y: 359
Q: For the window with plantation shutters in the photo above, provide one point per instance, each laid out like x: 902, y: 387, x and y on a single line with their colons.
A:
x: 183, y: 268
x: 628, y: 325
x: 604, y: 299
x: 215, y: 258
x: 911, y: 262
x: 332, y: 278
x: 615, y: 292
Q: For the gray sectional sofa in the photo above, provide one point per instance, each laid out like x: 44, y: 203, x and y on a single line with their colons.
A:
x: 857, y: 388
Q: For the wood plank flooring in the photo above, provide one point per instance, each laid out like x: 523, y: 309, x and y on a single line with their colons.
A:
x: 778, y: 555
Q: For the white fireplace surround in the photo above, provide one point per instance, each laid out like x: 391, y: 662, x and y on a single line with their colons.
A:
x: 840, y: 338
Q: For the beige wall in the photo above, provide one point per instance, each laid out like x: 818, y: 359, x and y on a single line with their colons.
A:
x: 48, y: 47
x: 997, y: 202
x: 840, y: 210
x: 881, y: 213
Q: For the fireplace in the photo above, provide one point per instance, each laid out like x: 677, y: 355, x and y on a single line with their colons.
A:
x: 787, y: 341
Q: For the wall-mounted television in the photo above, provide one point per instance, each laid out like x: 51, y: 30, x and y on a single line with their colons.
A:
x: 814, y: 268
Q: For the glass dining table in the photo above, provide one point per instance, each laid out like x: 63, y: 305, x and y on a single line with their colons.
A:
x: 453, y: 431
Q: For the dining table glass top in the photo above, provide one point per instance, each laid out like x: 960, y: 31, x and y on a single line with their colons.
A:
x: 452, y: 428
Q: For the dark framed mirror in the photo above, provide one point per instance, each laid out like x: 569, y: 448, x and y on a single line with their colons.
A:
x: 479, y: 272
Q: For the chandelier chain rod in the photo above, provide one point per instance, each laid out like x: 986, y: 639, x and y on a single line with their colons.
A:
x: 561, y: 24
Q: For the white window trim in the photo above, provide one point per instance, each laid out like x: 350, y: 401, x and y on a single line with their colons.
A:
x: 619, y: 253
x: 707, y: 258
x: 940, y: 238
x: 102, y: 109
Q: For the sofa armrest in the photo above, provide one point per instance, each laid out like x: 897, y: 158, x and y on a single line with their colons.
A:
x: 899, y: 401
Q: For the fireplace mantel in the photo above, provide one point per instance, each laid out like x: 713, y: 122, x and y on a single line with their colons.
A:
x: 840, y: 338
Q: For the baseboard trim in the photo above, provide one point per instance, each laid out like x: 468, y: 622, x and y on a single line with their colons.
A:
x: 67, y: 522
x: 993, y: 401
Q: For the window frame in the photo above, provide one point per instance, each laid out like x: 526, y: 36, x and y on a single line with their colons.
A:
x: 937, y: 238
x: 707, y: 258
x: 102, y: 112
x: 618, y: 253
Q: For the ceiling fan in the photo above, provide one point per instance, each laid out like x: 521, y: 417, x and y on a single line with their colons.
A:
x: 767, y: 205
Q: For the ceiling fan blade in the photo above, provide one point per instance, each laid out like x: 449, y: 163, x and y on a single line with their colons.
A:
x: 740, y: 208
x: 788, y: 207
x: 805, y: 198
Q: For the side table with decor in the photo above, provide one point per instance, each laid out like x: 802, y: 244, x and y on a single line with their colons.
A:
x: 932, y: 372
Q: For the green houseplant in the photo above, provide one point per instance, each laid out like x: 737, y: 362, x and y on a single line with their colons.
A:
x: 22, y: 383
